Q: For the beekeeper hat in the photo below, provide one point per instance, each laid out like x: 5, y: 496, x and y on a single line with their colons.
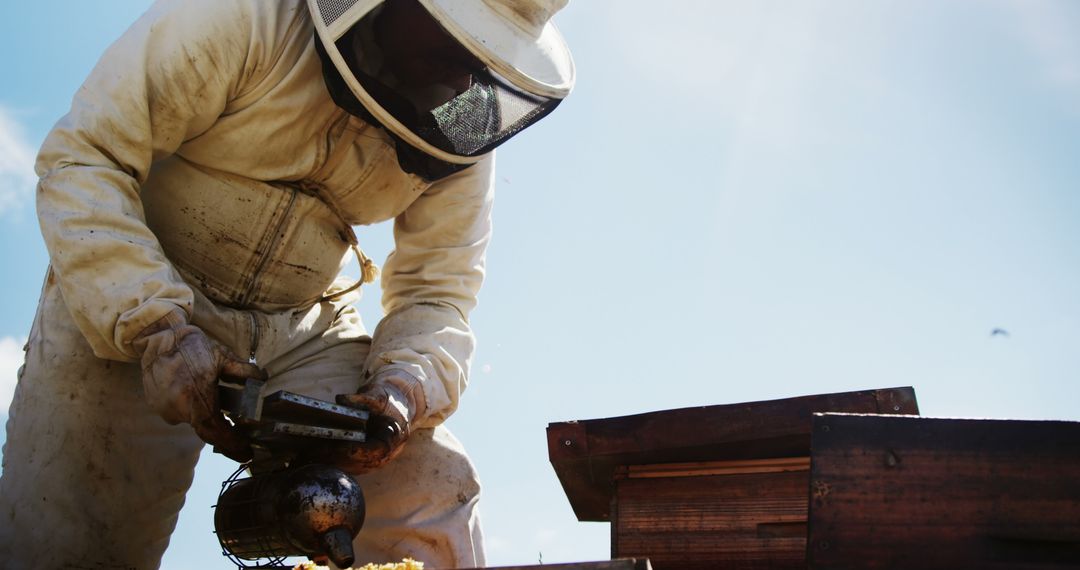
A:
x: 528, y: 71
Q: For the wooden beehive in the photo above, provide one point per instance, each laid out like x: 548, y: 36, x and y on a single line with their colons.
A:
x: 709, y: 487
x: 904, y: 492
x: 620, y: 564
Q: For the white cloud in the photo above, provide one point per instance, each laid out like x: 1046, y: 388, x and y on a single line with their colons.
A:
x: 17, y: 178
x: 11, y: 358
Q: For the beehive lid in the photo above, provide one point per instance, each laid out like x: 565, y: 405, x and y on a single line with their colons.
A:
x: 586, y: 453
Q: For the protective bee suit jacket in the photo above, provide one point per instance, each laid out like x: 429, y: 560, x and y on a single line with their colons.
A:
x: 218, y: 112
x: 203, y: 165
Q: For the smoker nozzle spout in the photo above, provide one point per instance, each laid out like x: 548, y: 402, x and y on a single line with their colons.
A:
x: 337, y: 544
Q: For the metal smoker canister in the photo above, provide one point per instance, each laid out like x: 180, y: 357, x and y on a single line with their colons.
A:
x: 313, y: 510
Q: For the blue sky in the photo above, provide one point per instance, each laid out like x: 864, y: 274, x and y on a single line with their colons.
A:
x: 740, y: 201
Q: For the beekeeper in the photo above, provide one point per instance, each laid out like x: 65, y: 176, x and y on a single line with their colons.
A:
x: 198, y: 202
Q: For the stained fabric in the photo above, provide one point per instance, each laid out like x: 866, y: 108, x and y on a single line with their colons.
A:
x: 233, y: 93
x: 93, y: 478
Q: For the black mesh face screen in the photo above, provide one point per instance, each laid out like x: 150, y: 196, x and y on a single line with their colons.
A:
x: 482, y: 117
x: 463, y: 123
x: 331, y: 10
x: 410, y: 159
x: 468, y: 120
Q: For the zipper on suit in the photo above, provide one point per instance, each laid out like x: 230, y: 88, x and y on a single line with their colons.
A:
x: 254, y: 337
x: 267, y: 247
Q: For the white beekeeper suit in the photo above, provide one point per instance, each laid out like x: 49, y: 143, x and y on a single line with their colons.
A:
x: 205, y: 172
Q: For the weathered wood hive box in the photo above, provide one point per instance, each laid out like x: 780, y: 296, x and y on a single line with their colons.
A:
x: 933, y: 493
x: 709, y: 487
x: 619, y: 564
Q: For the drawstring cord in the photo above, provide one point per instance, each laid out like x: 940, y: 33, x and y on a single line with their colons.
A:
x: 368, y: 270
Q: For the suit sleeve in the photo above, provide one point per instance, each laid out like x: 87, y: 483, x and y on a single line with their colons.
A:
x: 430, y: 282
x: 165, y: 81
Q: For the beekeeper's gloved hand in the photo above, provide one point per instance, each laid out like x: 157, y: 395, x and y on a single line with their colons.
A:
x: 180, y: 371
x: 393, y: 404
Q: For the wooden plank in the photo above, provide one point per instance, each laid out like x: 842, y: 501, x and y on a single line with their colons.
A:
x: 909, y: 492
x: 620, y: 564
x: 703, y: 468
x: 741, y: 521
x: 586, y: 453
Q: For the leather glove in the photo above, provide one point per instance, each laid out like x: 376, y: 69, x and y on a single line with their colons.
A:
x: 388, y: 427
x: 180, y: 371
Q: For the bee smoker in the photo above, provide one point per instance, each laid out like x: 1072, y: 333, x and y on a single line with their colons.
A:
x: 288, y: 506
x: 313, y: 510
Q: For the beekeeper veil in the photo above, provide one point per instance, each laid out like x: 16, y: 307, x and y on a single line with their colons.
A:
x: 452, y: 79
